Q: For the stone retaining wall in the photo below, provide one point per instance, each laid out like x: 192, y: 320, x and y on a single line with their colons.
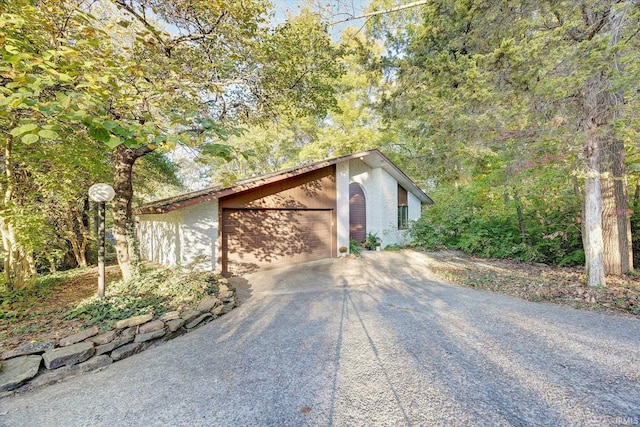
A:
x: 37, y: 364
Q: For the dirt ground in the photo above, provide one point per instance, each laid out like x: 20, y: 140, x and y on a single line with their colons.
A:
x: 43, y: 319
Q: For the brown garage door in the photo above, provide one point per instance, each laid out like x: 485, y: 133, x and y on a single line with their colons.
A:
x: 264, y: 238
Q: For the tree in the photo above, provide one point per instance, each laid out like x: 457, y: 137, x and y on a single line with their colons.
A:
x: 471, y: 72
x: 356, y: 125
x: 49, y: 87
x: 73, y: 70
x: 353, y: 126
x: 224, y: 67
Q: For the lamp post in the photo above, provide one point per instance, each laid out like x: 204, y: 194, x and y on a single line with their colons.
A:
x: 101, y: 193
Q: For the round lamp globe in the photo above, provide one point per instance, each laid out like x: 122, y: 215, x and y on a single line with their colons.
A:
x: 101, y: 192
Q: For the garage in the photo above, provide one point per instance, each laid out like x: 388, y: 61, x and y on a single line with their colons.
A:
x: 296, y: 215
x: 255, y: 239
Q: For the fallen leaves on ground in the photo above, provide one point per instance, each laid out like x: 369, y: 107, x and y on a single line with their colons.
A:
x: 43, y: 319
x: 539, y: 282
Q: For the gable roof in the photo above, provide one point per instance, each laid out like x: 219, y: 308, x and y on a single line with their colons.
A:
x: 373, y: 158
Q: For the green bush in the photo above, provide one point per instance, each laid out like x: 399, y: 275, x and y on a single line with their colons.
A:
x: 425, y: 234
x: 481, y: 222
x: 393, y: 247
x: 155, y: 292
x: 118, y: 307
x: 354, y: 247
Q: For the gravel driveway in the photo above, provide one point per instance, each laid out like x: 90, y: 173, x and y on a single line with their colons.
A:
x: 377, y: 341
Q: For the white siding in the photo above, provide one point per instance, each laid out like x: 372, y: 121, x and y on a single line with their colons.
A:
x: 185, y: 237
x: 385, y: 214
x: 415, y: 207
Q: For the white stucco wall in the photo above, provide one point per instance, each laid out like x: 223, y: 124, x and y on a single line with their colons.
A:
x: 381, y: 193
x: 415, y: 207
x: 159, y: 237
x: 199, y: 236
x: 342, y: 204
x: 385, y: 207
x: 185, y: 237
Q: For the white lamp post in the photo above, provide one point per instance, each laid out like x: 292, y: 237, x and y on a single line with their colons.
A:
x: 101, y: 193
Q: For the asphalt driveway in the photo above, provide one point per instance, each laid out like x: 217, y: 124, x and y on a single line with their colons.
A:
x: 375, y: 341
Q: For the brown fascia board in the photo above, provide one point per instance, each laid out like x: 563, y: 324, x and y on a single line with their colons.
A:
x: 213, y: 193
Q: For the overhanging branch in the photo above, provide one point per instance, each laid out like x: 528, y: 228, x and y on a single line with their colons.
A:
x: 382, y: 12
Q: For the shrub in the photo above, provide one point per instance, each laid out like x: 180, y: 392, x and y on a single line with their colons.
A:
x: 483, y: 222
x: 426, y: 235
x: 393, y: 247
x: 354, y: 247
x: 156, y: 292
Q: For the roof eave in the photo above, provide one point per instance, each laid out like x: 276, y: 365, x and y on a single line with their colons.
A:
x: 188, y: 199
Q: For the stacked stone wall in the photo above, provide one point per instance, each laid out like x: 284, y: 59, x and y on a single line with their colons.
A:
x: 37, y: 364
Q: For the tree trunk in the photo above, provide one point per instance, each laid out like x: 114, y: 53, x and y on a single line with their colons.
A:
x: 52, y: 264
x: 75, y: 235
x: 122, y: 218
x: 82, y: 235
x: 19, y: 265
x: 595, y: 110
x: 616, y: 221
x: 86, y: 208
x: 580, y: 196
x: 593, y: 243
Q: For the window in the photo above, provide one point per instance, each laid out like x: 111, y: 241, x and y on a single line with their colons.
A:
x: 403, y: 217
x: 403, y: 209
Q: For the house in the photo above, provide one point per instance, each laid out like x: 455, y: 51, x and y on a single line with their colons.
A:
x: 297, y: 215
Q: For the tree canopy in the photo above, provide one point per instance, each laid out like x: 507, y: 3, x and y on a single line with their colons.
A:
x: 520, y: 117
x: 501, y: 96
x: 131, y: 77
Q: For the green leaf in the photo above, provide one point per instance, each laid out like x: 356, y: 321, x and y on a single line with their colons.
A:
x: 131, y: 143
x: 63, y: 99
x: 218, y: 150
x: 113, y: 142
x: 207, y: 124
x: 634, y: 167
x: 23, y: 129
x: 30, y: 138
x: 52, y: 127
x: 110, y: 124
x: 100, y: 134
x: 246, y: 154
x: 48, y: 134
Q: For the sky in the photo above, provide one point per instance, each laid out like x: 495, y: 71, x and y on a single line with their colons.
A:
x: 354, y: 7
x: 339, y: 9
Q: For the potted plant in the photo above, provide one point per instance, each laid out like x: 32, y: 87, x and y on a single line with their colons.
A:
x: 343, y: 251
x: 372, y: 243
